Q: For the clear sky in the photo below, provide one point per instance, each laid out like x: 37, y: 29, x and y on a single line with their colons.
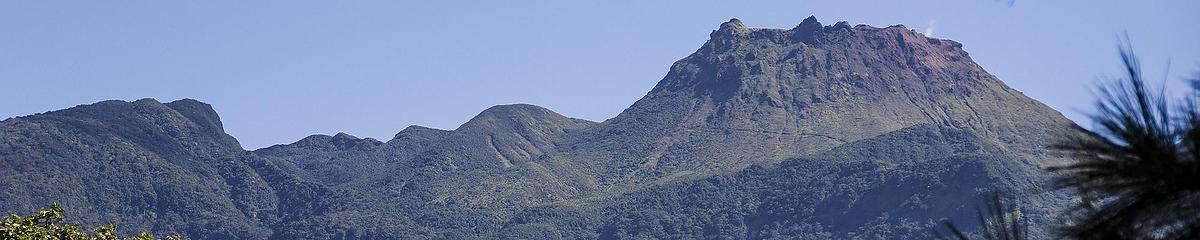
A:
x: 277, y: 71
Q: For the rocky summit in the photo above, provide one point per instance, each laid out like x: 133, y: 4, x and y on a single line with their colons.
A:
x: 815, y: 132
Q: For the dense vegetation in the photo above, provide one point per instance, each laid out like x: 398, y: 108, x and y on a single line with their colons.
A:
x: 999, y: 219
x: 47, y: 224
x: 844, y: 195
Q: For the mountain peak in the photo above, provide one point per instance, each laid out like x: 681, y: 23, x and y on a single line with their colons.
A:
x: 811, y: 20
x: 806, y: 31
x: 147, y: 121
x: 503, y: 136
x: 513, y: 108
x: 344, y: 136
x: 733, y: 24
x: 199, y: 112
x: 811, y: 88
x: 733, y: 27
x: 338, y: 142
x: 415, y: 131
x: 514, y: 115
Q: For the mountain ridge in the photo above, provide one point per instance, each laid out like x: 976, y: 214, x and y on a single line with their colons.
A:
x: 758, y: 133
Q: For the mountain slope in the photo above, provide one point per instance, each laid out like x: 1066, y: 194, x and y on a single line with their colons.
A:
x: 453, y: 181
x: 165, y: 168
x: 815, y: 198
x: 143, y: 162
x: 896, y: 185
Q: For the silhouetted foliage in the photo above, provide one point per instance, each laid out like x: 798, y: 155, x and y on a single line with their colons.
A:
x: 1136, y: 173
x: 1001, y: 219
x: 47, y: 224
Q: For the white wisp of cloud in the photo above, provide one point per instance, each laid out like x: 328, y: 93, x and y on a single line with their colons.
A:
x: 929, y: 29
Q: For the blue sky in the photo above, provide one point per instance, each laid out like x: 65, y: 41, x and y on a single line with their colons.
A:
x: 277, y: 71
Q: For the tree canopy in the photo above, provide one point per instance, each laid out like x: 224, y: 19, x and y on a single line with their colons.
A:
x: 47, y: 224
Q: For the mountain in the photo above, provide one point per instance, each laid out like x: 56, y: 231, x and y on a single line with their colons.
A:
x: 812, y: 132
x: 765, y: 95
x: 157, y: 167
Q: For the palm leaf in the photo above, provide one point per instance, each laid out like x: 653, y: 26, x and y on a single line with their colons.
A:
x: 1136, y: 171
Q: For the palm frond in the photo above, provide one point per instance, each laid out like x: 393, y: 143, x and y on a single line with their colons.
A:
x: 1137, y: 170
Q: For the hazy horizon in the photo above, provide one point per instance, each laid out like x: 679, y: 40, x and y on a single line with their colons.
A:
x: 279, y: 71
